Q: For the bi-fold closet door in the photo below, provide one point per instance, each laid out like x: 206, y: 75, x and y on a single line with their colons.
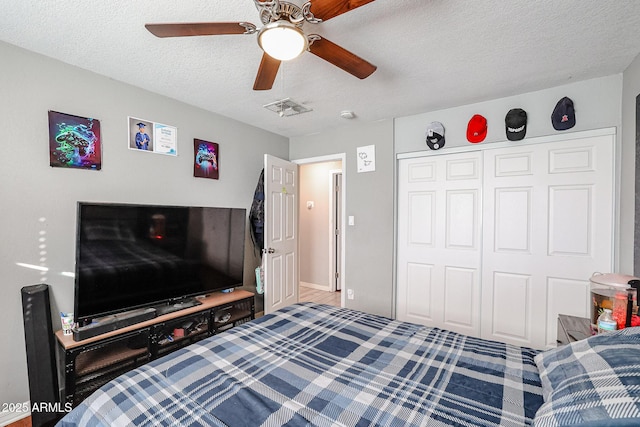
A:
x: 439, y: 246
x: 496, y: 243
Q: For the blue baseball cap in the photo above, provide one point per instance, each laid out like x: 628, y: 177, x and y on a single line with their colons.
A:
x: 564, y: 115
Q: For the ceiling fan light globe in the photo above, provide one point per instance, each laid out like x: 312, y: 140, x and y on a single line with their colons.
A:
x: 282, y: 40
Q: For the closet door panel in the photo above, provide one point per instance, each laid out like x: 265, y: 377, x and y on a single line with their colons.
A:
x: 513, y: 222
x: 548, y: 216
x: 511, y: 298
x: 438, y: 271
x: 561, y: 299
x: 570, y: 220
x: 459, y: 284
x: 461, y: 217
x: 418, y: 292
x: 421, y: 218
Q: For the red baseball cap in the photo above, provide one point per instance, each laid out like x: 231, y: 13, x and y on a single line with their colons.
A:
x: 477, y: 129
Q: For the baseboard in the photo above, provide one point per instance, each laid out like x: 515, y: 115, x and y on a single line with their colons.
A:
x: 7, y: 418
x: 316, y: 286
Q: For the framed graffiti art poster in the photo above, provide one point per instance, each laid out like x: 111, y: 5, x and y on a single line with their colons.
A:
x: 206, y: 159
x: 74, y: 141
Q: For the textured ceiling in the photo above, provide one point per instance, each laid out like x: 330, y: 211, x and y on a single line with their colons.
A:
x: 430, y: 54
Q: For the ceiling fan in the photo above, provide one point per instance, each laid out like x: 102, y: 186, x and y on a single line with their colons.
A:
x: 281, y: 35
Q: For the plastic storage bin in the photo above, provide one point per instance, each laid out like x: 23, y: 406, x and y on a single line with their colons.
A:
x: 618, y: 293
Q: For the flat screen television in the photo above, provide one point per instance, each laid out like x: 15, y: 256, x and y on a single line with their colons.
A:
x: 134, y: 256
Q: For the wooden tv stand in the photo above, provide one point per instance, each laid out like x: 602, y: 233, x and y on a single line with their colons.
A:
x: 84, y: 366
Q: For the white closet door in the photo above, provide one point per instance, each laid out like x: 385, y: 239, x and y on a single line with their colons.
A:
x: 548, y: 225
x: 439, y: 207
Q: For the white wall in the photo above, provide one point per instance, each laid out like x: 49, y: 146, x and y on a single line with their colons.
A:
x: 629, y: 167
x: 368, y: 246
x: 39, y: 202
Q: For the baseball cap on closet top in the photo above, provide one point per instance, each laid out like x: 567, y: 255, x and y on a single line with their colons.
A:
x: 516, y: 124
x: 435, y: 135
x: 564, y: 115
x: 477, y: 129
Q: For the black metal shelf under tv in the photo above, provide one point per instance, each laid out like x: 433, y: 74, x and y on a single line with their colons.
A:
x: 86, y: 365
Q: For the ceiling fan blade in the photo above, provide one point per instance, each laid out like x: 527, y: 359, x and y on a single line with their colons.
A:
x: 340, y: 57
x: 197, y: 29
x: 266, y: 73
x: 327, y: 9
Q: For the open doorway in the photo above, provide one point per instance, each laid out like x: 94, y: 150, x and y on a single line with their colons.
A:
x: 320, y: 225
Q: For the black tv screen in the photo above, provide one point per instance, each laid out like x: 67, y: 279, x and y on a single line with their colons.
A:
x: 133, y: 256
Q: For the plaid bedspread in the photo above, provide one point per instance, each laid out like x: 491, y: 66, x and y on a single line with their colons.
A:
x: 318, y: 365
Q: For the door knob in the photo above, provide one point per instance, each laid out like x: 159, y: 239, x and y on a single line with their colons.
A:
x: 271, y: 250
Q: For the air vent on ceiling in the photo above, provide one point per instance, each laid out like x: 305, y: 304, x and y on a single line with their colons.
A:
x: 286, y: 107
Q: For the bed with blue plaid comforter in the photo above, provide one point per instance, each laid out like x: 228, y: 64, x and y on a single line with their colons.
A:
x: 310, y: 364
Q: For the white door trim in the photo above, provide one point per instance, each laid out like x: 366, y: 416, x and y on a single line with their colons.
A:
x: 333, y: 248
x: 331, y: 158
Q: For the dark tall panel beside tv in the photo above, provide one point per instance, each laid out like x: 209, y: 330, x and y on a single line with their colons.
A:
x: 41, y: 359
x: 636, y: 245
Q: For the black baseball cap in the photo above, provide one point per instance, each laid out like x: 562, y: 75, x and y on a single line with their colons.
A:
x: 516, y: 124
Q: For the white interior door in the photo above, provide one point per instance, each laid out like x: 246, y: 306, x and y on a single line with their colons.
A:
x: 548, y: 226
x: 439, y: 247
x: 281, y: 273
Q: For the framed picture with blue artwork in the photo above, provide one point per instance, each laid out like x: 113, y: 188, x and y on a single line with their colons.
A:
x: 206, y: 159
x: 74, y: 141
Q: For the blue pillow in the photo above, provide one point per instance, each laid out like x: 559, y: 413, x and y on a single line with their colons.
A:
x: 593, y: 382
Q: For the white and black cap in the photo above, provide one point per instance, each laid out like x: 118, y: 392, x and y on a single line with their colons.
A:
x: 435, y: 135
